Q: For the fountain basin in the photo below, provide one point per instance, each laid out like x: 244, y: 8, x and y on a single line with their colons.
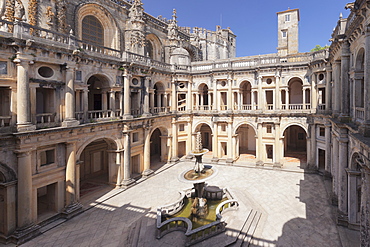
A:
x: 169, y: 217
x: 190, y: 176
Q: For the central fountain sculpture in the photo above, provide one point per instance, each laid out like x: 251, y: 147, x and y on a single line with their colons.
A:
x: 200, y: 214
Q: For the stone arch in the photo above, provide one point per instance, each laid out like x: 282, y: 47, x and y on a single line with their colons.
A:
x: 359, y: 81
x: 7, y: 174
x: 153, y: 48
x: 294, y: 139
x: 111, y: 31
x: 245, y: 89
x: 360, y: 60
x: 295, y: 86
x: 98, y: 86
x: 244, y: 123
x: 292, y: 124
x: 97, y: 162
x: 204, y: 93
x: 354, y: 189
x: 206, y: 134
x: 245, y: 139
x: 81, y: 147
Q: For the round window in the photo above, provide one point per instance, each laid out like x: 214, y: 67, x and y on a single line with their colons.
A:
x: 269, y: 81
x: 181, y: 85
x: 321, y: 76
x: 46, y: 72
x: 223, y: 83
x: 135, y: 81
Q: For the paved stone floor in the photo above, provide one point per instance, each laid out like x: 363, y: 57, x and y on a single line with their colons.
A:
x: 294, y: 205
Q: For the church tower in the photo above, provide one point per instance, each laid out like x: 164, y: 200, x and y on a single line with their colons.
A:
x: 288, y: 32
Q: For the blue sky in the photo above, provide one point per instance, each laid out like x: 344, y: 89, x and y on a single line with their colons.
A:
x: 255, y: 22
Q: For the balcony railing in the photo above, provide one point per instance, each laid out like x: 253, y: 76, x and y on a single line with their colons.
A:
x: 270, y: 107
x: 5, y: 121
x: 203, y: 108
x: 360, y: 113
x: 99, y: 114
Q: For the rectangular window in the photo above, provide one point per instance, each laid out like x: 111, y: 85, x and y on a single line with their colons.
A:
x: 287, y: 17
x: 182, y: 127
x: 284, y: 34
x: 322, y: 131
x: 47, y: 157
x: 269, y: 128
x: 135, y: 137
x: 3, y: 67
x: 78, y: 75
x: 223, y: 127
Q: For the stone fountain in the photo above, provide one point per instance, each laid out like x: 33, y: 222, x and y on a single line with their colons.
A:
x: 192, y: 213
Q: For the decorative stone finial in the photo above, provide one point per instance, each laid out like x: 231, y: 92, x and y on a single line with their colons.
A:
x: 198, y: 143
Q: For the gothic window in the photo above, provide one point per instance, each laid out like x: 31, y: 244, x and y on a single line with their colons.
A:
x: 92, y: 31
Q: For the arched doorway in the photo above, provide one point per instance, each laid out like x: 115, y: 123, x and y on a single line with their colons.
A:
x: 206, y: 134
x: 246, y: 95
x: 295, y: 145
x: 203, y: 100
x: 354, y: 191
x: 295, y: 94
x: 159, y: 98
x: 158, y: 149
x: 98, y: 97
x: 246, y: 142
x: 95, y: 166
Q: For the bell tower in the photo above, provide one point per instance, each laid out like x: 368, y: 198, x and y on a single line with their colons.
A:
x: 288, y: 32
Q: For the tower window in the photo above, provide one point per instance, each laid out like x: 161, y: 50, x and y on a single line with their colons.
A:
x: 287, y: 17
x: 284, y: 34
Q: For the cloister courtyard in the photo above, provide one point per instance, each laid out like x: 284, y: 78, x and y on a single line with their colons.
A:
x: 293, y: 205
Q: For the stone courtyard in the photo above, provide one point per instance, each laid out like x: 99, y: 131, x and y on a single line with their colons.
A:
x: 294, y: 209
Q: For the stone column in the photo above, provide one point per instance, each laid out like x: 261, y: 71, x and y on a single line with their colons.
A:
x: 353, y: 176
x: 230, y: 143
x: 127, y: 180
x: 277, y: 93
x: 366, y: 125
x: 261, y: 103
x: 304, y: 99
x: 259, y: 146
x: 189, y: 140
x: 71, y: 174
x: 215, y: 157
x: 328, y: 91
x: 189, y: 99
x: 337, y: 88
x: 146, y: 98
x: 229, y: 95
x: 23, y: 94
x: 120, y: 168
x: 365, y: 207
x: 86, y: 104
x: 126, y: 96
x: 70, y: 118
x: 24, y: 190
x: 215, y: 97
x: 147, y: 171
x: 277, y: 158
x: 112, y: 103
x: 174, y: 97
x: 104, y: 102
x: 342, y: 178
x: 287, y: 99
x: 152, y: 102
x: 175, y: 142
x: 345, y: 80
x: 328, y: 148
x: 334, y: 168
